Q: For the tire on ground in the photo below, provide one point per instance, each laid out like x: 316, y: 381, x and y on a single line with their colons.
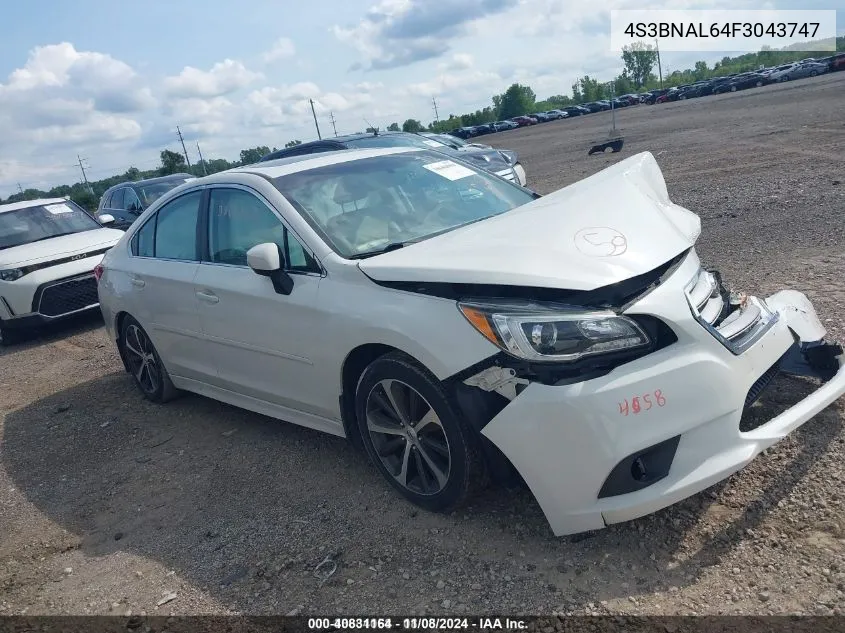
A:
x: 164, y: 390
x: 467, y: 473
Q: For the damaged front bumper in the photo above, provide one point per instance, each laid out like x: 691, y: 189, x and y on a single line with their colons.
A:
x: 665, y: 426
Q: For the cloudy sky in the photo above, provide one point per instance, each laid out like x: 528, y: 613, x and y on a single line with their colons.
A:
x: 110, y: 81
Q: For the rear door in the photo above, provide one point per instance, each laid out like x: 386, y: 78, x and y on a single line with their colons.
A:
x: 160, y: 293
x: 115, y: 208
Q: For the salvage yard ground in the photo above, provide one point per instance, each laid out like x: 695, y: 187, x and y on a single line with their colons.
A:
x: 110, y: 504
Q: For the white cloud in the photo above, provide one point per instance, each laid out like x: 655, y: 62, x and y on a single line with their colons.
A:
x: 224, y: 78
x: 289, y: 105
x: 459, y: 61
x: 398, y: 33
x: 283, y: 48
x: 69, y: 96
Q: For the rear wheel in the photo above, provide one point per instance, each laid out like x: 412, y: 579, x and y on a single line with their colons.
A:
x: 814, y: 73
x: 144, y: 363
x: 414, y: 436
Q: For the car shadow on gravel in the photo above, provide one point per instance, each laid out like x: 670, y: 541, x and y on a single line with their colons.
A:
x: 245, y: 507
x: 51, y: 332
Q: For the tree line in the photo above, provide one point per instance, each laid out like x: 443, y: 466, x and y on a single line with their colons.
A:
x: 640, y: 61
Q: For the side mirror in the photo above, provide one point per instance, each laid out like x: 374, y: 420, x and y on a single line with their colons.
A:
x: 268, y: 260
x: 105, y: 218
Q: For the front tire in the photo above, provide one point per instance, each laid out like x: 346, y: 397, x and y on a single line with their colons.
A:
x: 144, y: 363
x: 414, y: 435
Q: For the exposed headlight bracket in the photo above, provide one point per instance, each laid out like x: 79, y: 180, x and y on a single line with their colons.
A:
x: 502, y: 380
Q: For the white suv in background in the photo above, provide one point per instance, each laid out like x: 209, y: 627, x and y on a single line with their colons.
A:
x: 48, y: 251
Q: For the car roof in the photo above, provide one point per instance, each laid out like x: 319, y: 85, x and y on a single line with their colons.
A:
x: 151, y: 181
x: 14, y: 206
x: 292, y: 164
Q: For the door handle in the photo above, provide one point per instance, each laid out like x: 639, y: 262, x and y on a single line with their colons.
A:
x: 138, y: 282
x: 207, y: 296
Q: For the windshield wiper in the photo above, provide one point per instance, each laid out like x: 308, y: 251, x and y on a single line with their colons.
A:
x: 393, y: 246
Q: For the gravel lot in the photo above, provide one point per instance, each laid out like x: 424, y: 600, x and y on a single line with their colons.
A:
x: 109, y: 504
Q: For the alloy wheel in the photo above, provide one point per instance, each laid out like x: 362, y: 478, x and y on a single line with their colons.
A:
x: 142, y: 359
x: 408, y: 437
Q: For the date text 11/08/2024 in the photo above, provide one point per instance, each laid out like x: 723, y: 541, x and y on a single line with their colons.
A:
x: 418, y: 623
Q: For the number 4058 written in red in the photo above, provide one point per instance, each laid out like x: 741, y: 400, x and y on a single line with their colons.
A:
x: 643, y: 403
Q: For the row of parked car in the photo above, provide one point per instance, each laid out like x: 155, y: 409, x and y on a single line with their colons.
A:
x: 809, y: 67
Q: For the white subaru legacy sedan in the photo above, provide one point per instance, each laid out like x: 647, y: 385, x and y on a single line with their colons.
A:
x: 48, y: 250
x: 458, y: 326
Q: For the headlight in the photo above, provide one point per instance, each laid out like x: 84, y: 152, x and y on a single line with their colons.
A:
x: 10, y: 274
x: 553, y: 333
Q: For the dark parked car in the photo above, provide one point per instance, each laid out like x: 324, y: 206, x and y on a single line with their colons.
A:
x: 484, y: 128
x: 741, y: 82
x: 541, y: 117
x: 576, y: 110
x: 503, y: 163
x: 463, y: 132
x: 595, y: 106
x: 651, y: 97
x: 126, y: 201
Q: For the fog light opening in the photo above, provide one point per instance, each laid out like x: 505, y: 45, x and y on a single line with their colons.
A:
x: 638, y: 470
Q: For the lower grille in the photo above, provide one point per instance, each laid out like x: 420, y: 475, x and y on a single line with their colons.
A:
x: 70, y: 295
x: 507, y: 174
x: 760, y: 384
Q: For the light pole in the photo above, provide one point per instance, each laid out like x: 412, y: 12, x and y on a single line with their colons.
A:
x: 659, y: 68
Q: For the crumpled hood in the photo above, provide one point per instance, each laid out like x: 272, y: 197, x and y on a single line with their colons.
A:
x: 59, y: 247
x: 609, y: 227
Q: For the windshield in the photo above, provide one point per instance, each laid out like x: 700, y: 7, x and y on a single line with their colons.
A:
x: 151, y: 192
x: 452, y: 141
x: 366, y: 205
x: 33, y: 224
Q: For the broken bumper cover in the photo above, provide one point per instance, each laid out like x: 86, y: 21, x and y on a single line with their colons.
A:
x: 683, y: 402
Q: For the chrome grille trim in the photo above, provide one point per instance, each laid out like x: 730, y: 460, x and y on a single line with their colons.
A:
x: 742, y: 327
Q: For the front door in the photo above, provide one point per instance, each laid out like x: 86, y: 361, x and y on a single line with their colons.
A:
x: 263, y: 342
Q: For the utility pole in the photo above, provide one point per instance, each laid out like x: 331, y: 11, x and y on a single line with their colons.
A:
x: 436, y: 115
x: 334, y: 127
x: 84, y: 177
x: 317, y: 125
x: 181, y: 140
x: 659, y: 68
x: 199, y: 151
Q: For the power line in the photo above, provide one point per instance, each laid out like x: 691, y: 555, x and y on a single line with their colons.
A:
x: 199, y: 151
x: 84, y: 177
x: 317, y: 125
x: 436, y: 114
x: 334, y: 127
x: 181, y: 140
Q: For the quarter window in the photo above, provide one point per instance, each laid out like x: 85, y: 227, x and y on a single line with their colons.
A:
x: 238, y: 220
x: 143, y: 243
